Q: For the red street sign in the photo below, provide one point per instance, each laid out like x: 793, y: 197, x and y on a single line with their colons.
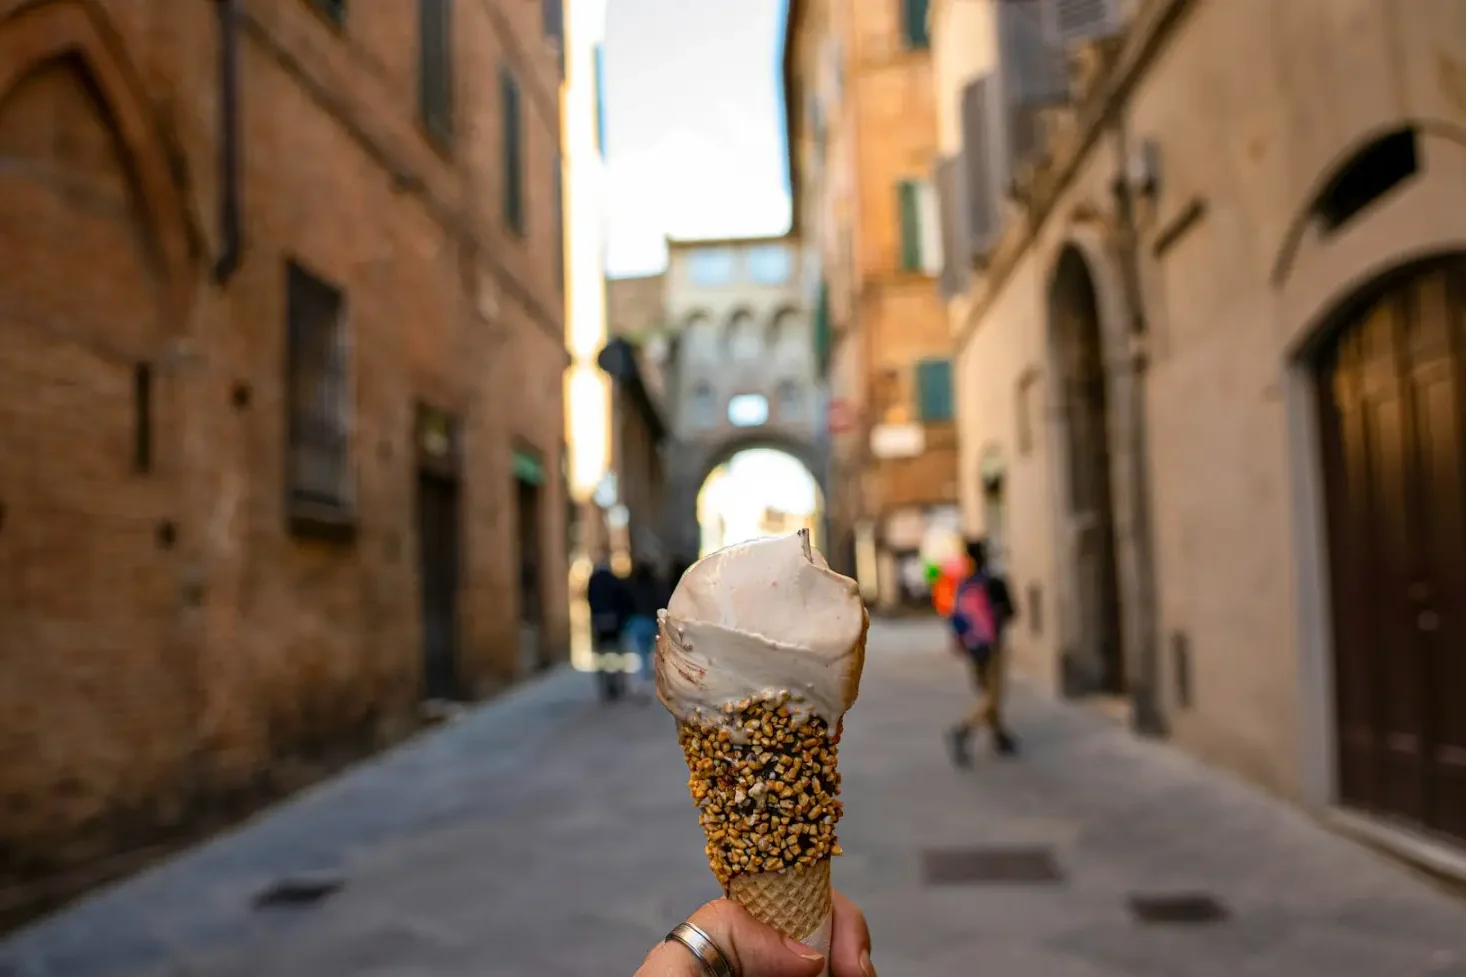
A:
x: 839, y: 417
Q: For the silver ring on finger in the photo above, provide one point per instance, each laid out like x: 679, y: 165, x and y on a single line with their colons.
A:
x: 714, y: 961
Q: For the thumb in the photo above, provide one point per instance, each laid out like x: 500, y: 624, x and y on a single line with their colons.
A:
x: 752, y: 948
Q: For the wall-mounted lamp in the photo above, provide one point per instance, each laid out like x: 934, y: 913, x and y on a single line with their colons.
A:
x: 1142, y: 176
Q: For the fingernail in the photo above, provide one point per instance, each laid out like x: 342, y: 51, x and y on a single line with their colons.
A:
x: 802, y: 951
x: 866, y: 967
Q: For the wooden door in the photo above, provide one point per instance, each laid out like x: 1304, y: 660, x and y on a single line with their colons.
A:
x: 1392, y: 424
x: 438, y: 535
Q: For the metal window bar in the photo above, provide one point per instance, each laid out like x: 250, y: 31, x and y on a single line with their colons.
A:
x: 319, y: 394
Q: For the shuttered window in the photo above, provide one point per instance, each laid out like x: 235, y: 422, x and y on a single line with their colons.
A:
x: 909, y: 208
x: 934, y: 391
x: 435, y: 68
x: 1081, y: 19
x: 513, y: 151
x: 823, y: 333
x: 913, y: 23
x: 921, y: 244
x: 1034, y: 72
x: 952, y: 219
x: 980, y: 186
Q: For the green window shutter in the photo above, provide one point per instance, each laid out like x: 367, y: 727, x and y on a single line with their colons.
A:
x: 913, y: 23
x: 909, y: 202
x: 934, y: 391
x: 513, y: 153
x: 822, y: 330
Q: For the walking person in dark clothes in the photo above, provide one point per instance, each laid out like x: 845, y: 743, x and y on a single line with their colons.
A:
x: 981, y: 612
x: 647, y: 597
x: 610, y: 607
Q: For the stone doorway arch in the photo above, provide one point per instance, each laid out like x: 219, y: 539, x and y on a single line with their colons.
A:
x: 693, y: 463
x: 1093, y: 646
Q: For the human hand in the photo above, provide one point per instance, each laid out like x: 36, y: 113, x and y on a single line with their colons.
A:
x: 755, y: 950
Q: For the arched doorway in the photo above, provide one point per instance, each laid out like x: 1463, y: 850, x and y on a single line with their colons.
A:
x: 1095, y: 649
x: 1392, y: 411
x: 758, y: 492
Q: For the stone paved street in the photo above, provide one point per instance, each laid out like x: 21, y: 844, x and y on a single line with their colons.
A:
x: 548, y: 835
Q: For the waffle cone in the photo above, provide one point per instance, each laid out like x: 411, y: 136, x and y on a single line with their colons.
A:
x: 796, y: 902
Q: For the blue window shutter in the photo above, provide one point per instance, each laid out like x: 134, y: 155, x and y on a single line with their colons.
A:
x: 913, y: 23
x: 934, y: 391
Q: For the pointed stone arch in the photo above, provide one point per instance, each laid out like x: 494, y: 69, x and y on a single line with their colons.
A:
x: 36, y: 35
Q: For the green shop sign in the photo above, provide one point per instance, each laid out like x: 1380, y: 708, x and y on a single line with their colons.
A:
x: 528, y: 468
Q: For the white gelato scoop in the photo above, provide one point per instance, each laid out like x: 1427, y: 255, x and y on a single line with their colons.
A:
x: 761, y: 618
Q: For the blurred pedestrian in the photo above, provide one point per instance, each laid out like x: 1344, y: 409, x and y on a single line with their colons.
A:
x: 722, y: 939
x: 647, y: 597
x: 981, y: 612
x: 610, y: 606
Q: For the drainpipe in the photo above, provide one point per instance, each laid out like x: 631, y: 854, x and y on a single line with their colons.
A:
x: 1147, y: 716
x: 229, y: 230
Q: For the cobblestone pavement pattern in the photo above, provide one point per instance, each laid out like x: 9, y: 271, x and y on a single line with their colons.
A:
x: 545, y: 835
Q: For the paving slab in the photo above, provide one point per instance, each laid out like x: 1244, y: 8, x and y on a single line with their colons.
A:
x: 547, y: 833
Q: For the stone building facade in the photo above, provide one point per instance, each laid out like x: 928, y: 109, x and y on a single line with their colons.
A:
x: 862, y: 135
x: 634, y: 357
x: 1211, y: 299
x: 280, y: 412
x: 739, y: 365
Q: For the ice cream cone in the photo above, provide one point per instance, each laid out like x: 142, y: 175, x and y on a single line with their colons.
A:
x: 760, y: 693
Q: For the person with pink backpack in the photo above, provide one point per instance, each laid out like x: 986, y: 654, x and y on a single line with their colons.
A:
x: 981, y: 612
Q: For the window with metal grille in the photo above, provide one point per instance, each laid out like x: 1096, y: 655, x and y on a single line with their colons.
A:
x: 513, y: 151
x: 318, y: 395
x: 435, y: 68
x: 913, y: 24
x: 934, y: 391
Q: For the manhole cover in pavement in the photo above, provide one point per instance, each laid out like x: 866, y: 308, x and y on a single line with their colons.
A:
x: 302, y: 890
x: 989, y: 866
x: 1177, y: 908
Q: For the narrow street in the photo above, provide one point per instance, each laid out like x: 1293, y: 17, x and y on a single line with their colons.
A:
x: 546, y: 834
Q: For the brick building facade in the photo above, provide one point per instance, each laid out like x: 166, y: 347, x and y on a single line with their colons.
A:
x: 862, y: 137
x: 280, y: 415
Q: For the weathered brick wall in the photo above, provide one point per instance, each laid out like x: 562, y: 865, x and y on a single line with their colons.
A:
x: 164, y: 639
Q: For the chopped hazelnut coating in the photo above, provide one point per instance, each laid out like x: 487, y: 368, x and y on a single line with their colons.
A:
x: 768, y: 796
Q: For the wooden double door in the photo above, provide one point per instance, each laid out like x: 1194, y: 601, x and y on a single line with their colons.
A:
x: 1393, y: 412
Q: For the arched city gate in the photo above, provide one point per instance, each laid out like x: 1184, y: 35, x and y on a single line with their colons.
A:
x: 691, y: 464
